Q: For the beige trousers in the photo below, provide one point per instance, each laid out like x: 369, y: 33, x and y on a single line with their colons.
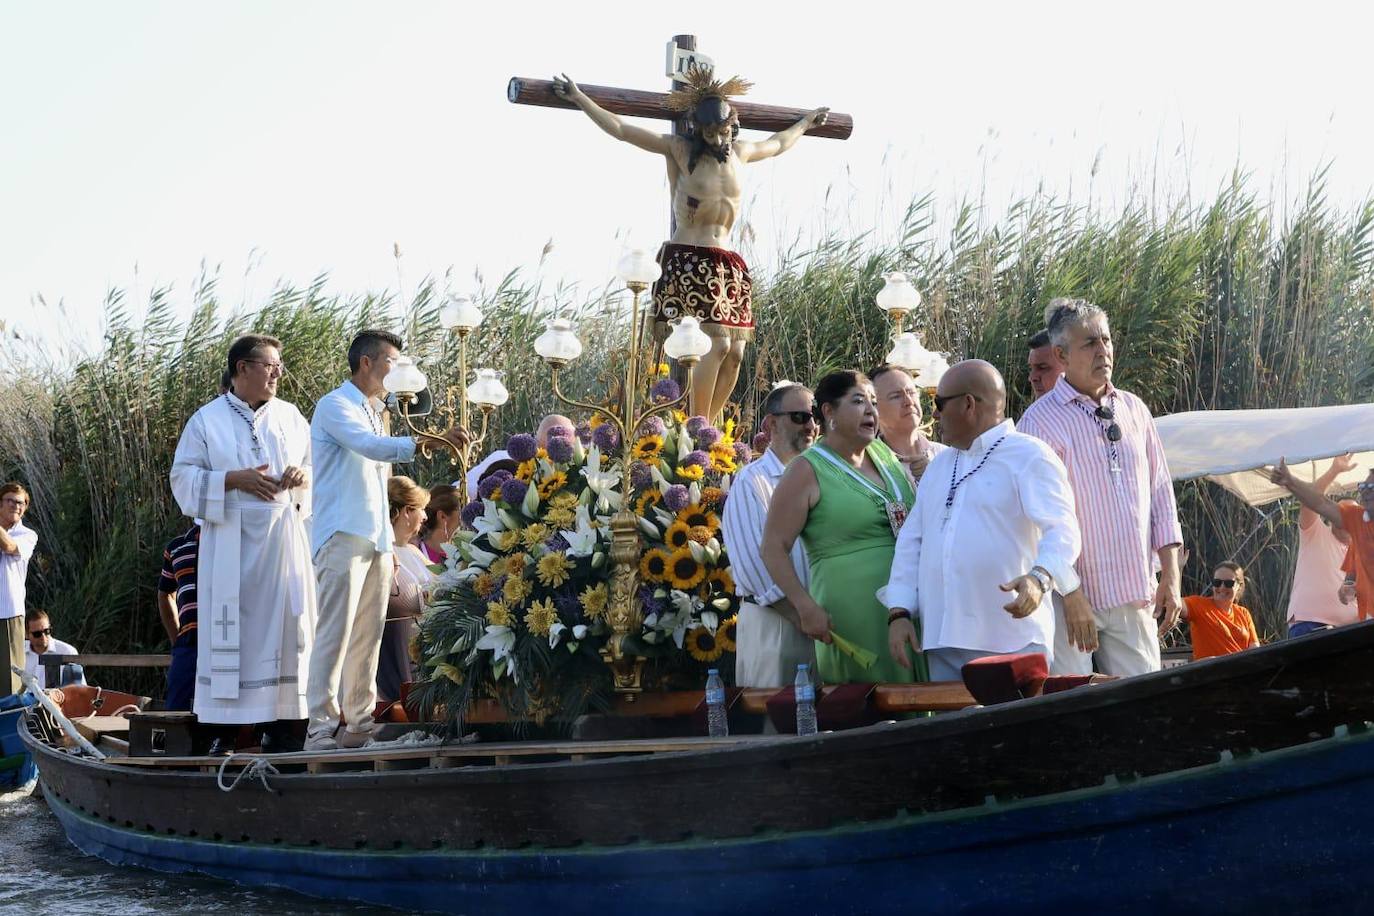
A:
x: 1127, y: 642
x: 15, y: 637
x: 352, y: 582
x: 769, y: 648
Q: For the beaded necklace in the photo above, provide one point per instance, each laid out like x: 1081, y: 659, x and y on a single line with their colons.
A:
x: 252, y: 425
x: 1113, y: 457
x: 955, y: 481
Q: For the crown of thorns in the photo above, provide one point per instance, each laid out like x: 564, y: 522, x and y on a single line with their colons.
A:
x: 702, y: 84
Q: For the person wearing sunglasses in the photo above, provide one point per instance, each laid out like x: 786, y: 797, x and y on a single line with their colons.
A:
x: 1354, y: 517
x: 899, y: 418
x: 1219, y: 625
x: 1124, y: 498
x: 17, y: 543
x: 41, y: 642
x: 769, y: 642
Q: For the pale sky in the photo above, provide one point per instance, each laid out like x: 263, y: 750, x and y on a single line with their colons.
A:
x: 278, y: 140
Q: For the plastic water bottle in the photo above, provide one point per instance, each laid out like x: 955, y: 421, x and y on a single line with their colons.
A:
x: 716, y: 725
x: 806, y: 700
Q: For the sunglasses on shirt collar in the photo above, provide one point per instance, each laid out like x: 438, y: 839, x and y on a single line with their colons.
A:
x: 1103, y: 412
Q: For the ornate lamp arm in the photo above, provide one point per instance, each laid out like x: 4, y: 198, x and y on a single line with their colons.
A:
x: 459, y: 455
x: 595, y: 408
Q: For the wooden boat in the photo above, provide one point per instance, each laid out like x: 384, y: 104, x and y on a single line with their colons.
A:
x: 1236, y: 784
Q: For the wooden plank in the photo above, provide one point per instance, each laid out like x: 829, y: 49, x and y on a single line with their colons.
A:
x: 636, y: 103
x: 92, y: 727
x: 113, y: 745
x: 96, y: 660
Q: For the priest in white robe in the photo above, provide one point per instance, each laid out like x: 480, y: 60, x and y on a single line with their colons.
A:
x: 243, y: 468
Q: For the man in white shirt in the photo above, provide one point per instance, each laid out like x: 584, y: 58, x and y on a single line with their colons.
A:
x: 351, y: 541
x: 41, y: 642
x: 769, y: 641
x: 993, y: 516
x: 16, y: 547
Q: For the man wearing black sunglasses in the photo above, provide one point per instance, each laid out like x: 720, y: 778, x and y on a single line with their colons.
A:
x: 769, y: 640
x: 41, y: 642
x: 1124, y: 498
x: 1355, y: 518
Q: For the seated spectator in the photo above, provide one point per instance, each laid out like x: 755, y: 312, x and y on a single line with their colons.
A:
x: 176, y: 605
x: 1219, y: 625
x: 409, y: 587
x: 550, y: 425
x: 41, y: 642
x: 441, y: 520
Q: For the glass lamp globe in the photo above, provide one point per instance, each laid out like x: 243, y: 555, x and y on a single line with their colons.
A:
x: 558, y: 345
x: 461, y: 314
x: 898, y: 296
x: 908, y: 353
x: 638, y: 268
x: 486, y: 390
x: 933, y: 371
x: 688, y: 342
x: 405, y: 378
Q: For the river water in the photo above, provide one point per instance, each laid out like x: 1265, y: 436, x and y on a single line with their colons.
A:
x: 41, y: 873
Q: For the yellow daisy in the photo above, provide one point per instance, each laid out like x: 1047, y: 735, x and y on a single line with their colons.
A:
x: 483, y: 584
x: 596, y: 420
x: 680, y: 416
x: 594, y: 599
x: 498, y: 614
x: 553, y: 569
x: 677, y: 535
x: 515, y: 564
x: 560, y: 518
x: 653, y: 566
x: 564, y: 501
x: 701, y: 534
x: 683, y: 569
x: 541, y: 617
x: 516, y: 590
x: 533, y: 535
x: 703, y: 645
x: 663, y: 370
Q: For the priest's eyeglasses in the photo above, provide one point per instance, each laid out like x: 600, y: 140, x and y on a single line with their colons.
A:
x: 272, y: 368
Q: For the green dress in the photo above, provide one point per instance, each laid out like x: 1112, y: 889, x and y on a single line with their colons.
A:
x: 849, y: 544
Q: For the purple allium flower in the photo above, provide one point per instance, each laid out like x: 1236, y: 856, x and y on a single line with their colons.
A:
x: 650, y: 604
x: 665, y: 389
x: 522, y: 447
x: 697, y: 457
x: 696, y: 424
x: 708, y: 436
x: 490, y: 486
x: 513, y: 491
x: 557, y: 542
x: 742, y: 454
x: 557, y: 432
x: 584, y: 432
x: 652, y: 427
x: 560, y: 449
x: 640, y: 476
x: 565, y: 601
x: 606, y: 438
x: 677, y: 498
x: 471, y: 513
x: 760, y: 442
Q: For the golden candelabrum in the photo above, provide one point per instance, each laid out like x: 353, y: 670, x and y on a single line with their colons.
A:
x: 558, y: 346
x: 405, y: 380
x: 898, y: 298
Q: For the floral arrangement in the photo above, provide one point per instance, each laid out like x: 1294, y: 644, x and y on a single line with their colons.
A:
x: 520, y: 609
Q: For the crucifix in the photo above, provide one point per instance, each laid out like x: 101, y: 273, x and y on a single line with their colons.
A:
x: 703, y: 277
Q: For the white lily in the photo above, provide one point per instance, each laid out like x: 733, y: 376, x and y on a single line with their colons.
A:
x: 665, y: 518
x: 698, y: 552
x: 582, y: 541
x: 710, y: 620
x: 555, y: 632
x: 489, y: 521
x: 649, y: 528
x: 579, y: 631
x: 694, y: 489
x: 476, y: 556
x: 713, y: 551
x: 530, y: 504
x: 603, y: 483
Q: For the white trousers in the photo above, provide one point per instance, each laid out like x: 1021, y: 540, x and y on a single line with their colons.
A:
x: 353, y: 580
x: 1127, y: 642
x: 768, y: 648
x: 948, y: 664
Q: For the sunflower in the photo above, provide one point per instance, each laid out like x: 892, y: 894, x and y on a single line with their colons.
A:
x: 516, y: 590
x: 525, y: 470
x: 722, y: 463
x: 541, y: 617
x: 725, y: 633
x: 651, y: 497
x: 680, y: 416
x: 533, y: 535
x: 594, y: 599
x: 722, y: 576
x: 555, y: 482
x: 653, y: 566
x: 498, y: 614
x: 515, y: 564
x: 683, y: 569
x: 691, y: 472
x: 703, y: 645
x: 648, y: 448
x: 677, y: 535
x: 553, y: 568
x: 693, y: 516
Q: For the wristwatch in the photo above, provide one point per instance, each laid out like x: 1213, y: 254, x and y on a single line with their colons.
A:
x: 1043, y: 577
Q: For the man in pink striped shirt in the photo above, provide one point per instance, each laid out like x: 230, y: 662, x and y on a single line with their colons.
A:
x: 1124, y: 499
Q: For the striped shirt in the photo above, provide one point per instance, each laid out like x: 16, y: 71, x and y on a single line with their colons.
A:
x: 1123, y: 495
x: 746, y: 509
x: 179, y: 561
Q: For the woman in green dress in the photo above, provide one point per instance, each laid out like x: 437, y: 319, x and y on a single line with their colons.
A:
x: 845, y: 500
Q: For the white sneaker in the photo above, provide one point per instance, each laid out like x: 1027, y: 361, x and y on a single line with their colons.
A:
x: 321, y: 742
x: 353, y: 740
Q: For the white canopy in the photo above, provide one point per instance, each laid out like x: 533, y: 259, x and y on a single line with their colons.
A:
x: 1232, y: 447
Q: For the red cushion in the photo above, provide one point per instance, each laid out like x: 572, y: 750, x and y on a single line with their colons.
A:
x: 1002, y: 678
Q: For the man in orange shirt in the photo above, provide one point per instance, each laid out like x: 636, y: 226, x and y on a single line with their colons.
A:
x: 1350, y: 516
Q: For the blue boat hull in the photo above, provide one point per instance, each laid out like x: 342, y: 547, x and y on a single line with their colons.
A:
x: 1285, y: 831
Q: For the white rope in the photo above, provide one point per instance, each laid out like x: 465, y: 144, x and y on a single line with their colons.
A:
x: 414, y: 738
x: 258, y: 769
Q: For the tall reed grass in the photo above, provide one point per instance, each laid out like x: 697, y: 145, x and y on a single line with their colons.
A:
x: 1224, y: 305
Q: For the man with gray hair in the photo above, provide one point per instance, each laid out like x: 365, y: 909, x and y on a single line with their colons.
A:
x: 770, y: 642
x: 1124, y: 499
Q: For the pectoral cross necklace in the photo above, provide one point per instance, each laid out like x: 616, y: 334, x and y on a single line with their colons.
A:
x: 955, y: 481
x: 252, y: 427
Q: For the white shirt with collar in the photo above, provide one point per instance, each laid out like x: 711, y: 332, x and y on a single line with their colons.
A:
x: 1014, y: 512
x: 352, y: 461
x: 746, y: 509
x: 55, y: 647
x: 14, y: 571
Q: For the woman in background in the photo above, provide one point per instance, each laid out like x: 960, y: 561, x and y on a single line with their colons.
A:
x: 409, y: 587
x: 1219, y: 625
